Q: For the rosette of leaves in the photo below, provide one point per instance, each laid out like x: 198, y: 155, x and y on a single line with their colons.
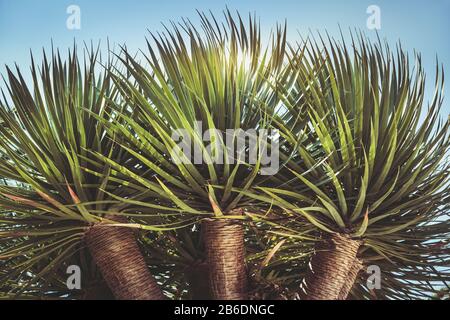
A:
x: 369, y: 172
x: 203, y: 81
x: 52, y: 201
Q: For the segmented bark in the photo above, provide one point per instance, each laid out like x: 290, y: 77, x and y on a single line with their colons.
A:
x: 329, y: 267
x: 117, y: 254
x: 225, y: 254
x: 351, y: 278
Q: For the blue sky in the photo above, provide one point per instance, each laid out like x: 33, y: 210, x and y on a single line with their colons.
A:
x: 30, y: 24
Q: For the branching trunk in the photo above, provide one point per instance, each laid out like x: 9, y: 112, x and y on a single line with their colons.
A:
x: 121, y: 263
x: 225, y: 254
x: 329, y: 267
x: 351, y: 278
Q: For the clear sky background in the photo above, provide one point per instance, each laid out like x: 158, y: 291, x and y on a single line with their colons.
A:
x: 421, y: 25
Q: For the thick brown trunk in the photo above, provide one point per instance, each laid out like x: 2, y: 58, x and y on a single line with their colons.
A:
x: 121, y: 263
x: 198, y: 281
x: 350, y: 280
x: 225, y: 255
x: 98, y: 292
x: 329, y: 267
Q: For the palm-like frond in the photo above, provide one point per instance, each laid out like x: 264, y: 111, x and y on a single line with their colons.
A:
x: 374, y: 160
x: 220, y: 78
x: 361, y: 158
x: 51, y: 193
x: 53, y: 285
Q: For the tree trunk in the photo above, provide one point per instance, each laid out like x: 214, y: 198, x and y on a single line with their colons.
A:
x: 329, y: 267
x: 225, y: 255
x: 99, y: 291
x: 198, y: 280
x: 116, y: 253
x: 351, y: 278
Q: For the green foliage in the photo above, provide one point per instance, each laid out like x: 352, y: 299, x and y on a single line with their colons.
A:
x: 221, y: 77
x: 51, y: 193
x: 359, y: 152
x: 372, y: 161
